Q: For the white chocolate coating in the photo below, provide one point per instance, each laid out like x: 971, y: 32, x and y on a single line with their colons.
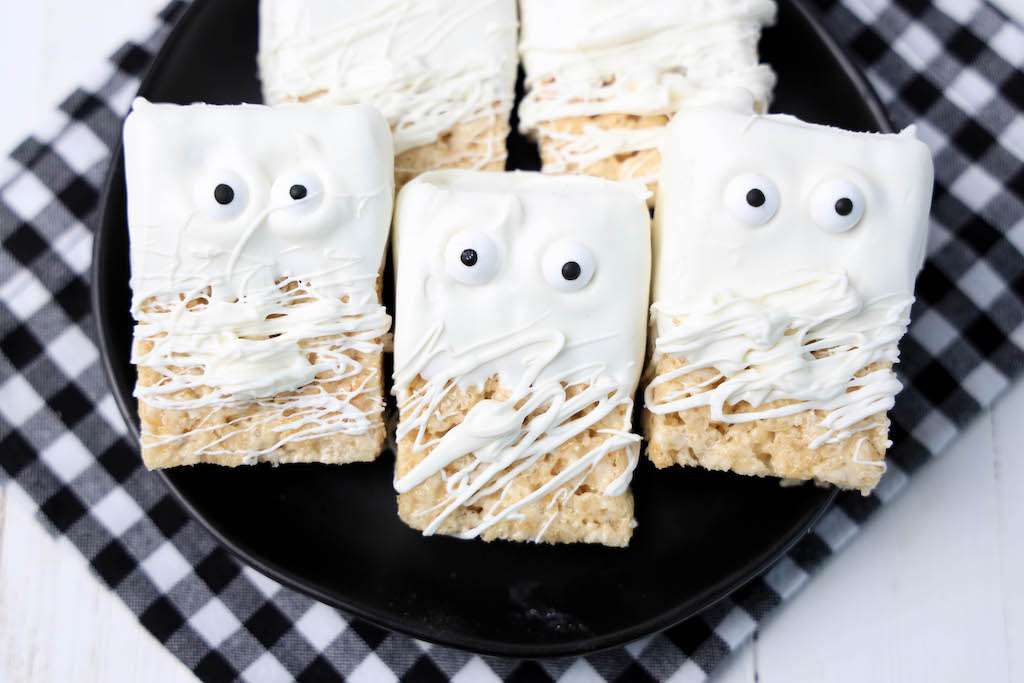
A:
x: 754, y: 291
x: 516, y: 322
x: 591, y: 57
x: 425, y: 64
x: 251, y: 340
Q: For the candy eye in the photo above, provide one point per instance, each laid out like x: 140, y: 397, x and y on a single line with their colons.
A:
x: 837, y: 205
x: 297, y: 193
x: 752, y: 199
x: 222, y: 195
x: 568, y: 266
x: 471, y: 257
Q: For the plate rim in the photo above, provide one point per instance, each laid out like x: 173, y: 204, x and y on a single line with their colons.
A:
x: 667, y: 619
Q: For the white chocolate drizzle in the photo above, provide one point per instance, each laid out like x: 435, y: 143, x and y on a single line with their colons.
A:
x: 649, y: 58
x: 279, y: 348
x: 806, y: 341
x: 505, y: 437
x: 426, y: 65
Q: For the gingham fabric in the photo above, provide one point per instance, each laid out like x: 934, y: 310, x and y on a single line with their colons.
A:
x: 953, y: 68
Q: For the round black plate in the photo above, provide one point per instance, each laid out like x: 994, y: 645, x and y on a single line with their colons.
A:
x: 333, y: 532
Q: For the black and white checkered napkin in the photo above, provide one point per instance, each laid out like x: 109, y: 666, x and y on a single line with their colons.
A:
x: 954, y: 68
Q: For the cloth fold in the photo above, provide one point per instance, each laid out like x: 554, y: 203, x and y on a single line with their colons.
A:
x: 955, y: 69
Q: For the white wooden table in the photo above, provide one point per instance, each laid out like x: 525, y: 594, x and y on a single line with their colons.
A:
x: 930, y: 591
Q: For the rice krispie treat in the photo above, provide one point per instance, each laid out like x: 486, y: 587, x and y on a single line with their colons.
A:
x: 785, y: 259
x: 604, y: 77
x: 257, y: 241
x: 441, y: 71
x: 521, y: 308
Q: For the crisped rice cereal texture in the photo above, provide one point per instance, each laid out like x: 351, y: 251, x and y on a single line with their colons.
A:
x: 633, y: 165
x: 185, y: 437
x: 778, y: 447
x: 477, y: 145
x: 584, y: 515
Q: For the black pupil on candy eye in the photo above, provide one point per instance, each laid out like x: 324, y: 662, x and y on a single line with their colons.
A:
x: 755, y: 198
x: 223, y: 194
x: 297, y: 192
x: 570, y: 270
x: 844, y: 206
x: 468, y: 257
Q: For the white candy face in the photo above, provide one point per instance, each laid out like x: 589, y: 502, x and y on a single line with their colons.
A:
x: 491, y: 255
x: 744, y: 200
x: 241, y: 196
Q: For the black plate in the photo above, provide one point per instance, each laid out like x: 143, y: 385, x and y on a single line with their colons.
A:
x: 333, y: 532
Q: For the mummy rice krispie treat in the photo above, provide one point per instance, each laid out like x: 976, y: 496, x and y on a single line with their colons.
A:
x: 441, y: 71
x: 521, y: 309
x: 603, y: 77
x: 785, y: 259
x: 257, y: 240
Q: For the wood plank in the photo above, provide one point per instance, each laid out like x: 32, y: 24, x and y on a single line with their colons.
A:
x: 917, y: 596
x: 49, y: 47
x: 1009, y: 473
x: 58, y: 623
x: 21, y: 49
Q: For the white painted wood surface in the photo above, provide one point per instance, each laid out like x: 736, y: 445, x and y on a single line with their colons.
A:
x: 930, y: 591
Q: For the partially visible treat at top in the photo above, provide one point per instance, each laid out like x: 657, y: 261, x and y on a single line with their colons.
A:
x: 784, y: 268
x: 604, y: 77
x: 442, y: 72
